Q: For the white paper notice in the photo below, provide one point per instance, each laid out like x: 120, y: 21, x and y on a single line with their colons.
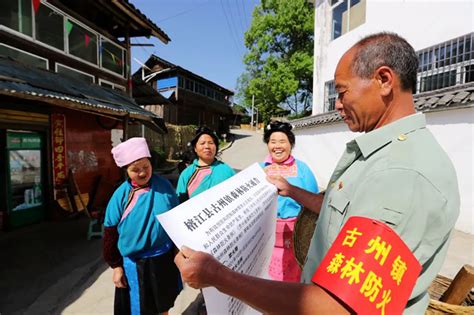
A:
x: 234, y: 222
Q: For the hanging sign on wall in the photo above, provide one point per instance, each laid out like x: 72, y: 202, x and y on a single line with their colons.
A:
x: 58, y: 132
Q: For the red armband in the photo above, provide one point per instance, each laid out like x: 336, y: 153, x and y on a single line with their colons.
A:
x: 369, y: 267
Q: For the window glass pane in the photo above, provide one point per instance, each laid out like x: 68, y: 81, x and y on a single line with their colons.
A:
x: 189, y: 85
x: 354, y: 2
x: 124, y: 62
x: 469, y: 75
x: 356, y: 16
x: 468, y: 51
x: 16, y: 14
x: 166, y: 83
x: 438, y: 81
x: 447, y: 56
x: 22, y: 57
x: 106, y: 84
x: 425, y: 60
x: 454, y: 52
x: 75, y: 74
x: 440, y: 54
x: 337, y: 19
x: 49, y: 27
x: 219, y: 97
x: 209, y: 93
x: 460, y: 51
x: 82, y: 43
x: 25, y: 170
x: 428, y: 61
x: 112, y: 57
x: 330, y: 96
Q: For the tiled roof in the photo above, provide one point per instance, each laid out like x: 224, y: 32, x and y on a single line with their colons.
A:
x: 320, y: 119
x: 454, y: 97
x: 445, y: 99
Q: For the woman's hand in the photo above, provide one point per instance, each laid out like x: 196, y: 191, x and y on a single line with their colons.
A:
x: 119, y: 278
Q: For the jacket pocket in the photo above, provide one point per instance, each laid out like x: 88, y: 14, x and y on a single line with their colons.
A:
x: 339, y: 202
x: 337, y: 206
x: 391, y: 217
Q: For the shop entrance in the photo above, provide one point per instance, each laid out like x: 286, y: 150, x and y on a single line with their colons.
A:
x: 25, y: 173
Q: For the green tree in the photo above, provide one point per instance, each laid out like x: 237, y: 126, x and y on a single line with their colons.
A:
x: 279, y: 61
x: 240, y: 109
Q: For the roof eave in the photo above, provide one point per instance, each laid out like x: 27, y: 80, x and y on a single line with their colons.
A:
x: 154, y: 30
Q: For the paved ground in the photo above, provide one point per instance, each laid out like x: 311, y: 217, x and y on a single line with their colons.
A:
x: 247, y: 149
x: 42, y: 265
x: 51, y: 268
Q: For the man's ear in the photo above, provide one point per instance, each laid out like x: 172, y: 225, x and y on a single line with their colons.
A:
x: 386, y: 79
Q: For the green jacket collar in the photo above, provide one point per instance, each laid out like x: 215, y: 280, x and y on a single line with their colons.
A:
x: 376, y: 139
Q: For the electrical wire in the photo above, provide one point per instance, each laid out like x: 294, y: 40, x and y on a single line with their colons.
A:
x: 182, y: 12
x: 241, y: 13
x: 231, y: 30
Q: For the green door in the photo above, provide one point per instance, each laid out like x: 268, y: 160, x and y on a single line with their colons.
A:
x: 25, y: 167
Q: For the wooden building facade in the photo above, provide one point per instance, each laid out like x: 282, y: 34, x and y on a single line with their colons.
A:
x: 195, y: 100
x: 64, y: 99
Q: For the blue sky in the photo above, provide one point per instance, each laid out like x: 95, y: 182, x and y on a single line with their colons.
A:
x: 207, y: 36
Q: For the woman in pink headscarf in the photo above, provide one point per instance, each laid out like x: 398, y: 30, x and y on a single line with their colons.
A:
x: 135, y: 244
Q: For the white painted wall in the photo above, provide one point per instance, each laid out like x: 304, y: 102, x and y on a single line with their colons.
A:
x: 454, y: 130
x: 423, y: 23
x: 322, y: 146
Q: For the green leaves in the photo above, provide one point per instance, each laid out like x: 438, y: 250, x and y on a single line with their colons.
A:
x: 279, y: 61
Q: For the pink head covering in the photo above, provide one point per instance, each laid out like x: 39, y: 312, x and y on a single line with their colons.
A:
x: 129, y: 151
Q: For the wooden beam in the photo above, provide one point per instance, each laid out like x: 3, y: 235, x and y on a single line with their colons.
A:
x: 128, y: 74
x: 460, y: 286
x: 19, y: 116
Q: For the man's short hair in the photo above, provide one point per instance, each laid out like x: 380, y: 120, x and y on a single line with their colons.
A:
x: 386, y: 49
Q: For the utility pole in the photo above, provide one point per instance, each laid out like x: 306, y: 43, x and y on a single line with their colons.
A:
x: 256, y: 124
x: 251, y: 119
